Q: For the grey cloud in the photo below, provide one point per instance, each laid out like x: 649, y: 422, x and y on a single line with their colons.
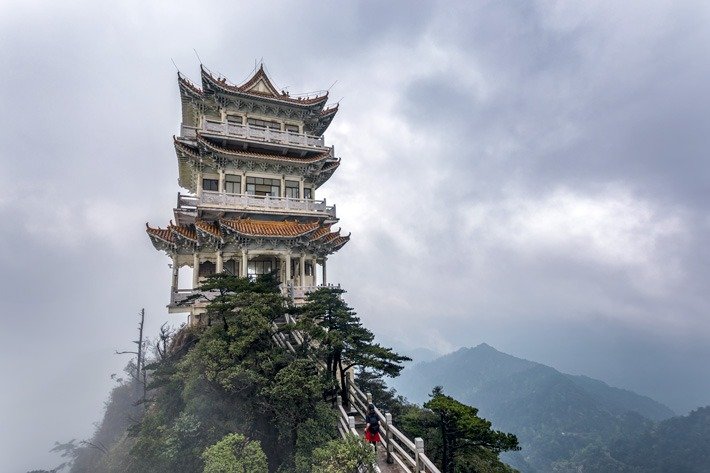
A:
x: 448, y: 107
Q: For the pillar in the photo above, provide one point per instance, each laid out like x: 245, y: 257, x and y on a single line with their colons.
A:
x: 195, y: 270
x: 314, y: 265
x: 244, y: 263
x: 220, y: 262
x: 244, y: 183
x: 220, y: 182
x: 388, y: 437
x: 418, y: 452
x: 283, y: 185
x: 288, y: 267
x: 176, y: 269
x: 325, y: 280
x: 302, y: 264
x: 300, y: 188
x: 198, y: 176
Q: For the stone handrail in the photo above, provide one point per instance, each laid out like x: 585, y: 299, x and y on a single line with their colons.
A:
x: 408, y: 455
x: 224, y: 200
x: 257, y: 133
x: 181, y: 295
x: 400, y: 449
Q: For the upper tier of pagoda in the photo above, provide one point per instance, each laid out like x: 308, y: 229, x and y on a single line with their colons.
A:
x: 260, y: 94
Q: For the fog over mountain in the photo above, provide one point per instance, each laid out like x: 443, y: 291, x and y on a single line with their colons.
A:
x: 565, y: 423
x: 528, y: 174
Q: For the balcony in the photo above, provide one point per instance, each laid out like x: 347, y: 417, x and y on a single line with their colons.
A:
x: 253, y: 133
x: 179, y: 299
x: 224, y: 201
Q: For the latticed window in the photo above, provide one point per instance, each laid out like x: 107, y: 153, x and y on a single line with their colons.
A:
x: 207, y: 269
x: 264, y: 123
x: 309, y: 268
x: 210, y: 184
x: 232, y: 184
x: 231, y: 267
x: 292, y: 128
x: 255, y: 268
x: 307, y: 193
x: 263, y: 186
x: 234, y: 119
x: 292, y: 189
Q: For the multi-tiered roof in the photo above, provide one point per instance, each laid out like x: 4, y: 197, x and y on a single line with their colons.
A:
x: 251, y: 131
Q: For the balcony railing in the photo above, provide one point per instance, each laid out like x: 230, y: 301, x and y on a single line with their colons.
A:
x: 179, y: 297
x: 256, y: 134
x: 300, y: 292
x: 246, y: 201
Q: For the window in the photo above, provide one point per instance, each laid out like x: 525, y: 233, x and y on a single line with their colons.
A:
x: 231, y: 267
x: 234, y: 119
x: 292, y: 128
x: 255, y: 268
x: 307, y: 193
x: 232, y: 184
x: 264, y: 123
x: 309, y: 268
x: 292, y: 189
x: 263, y: 186
x: 206, y: 269
x: 210, y: 184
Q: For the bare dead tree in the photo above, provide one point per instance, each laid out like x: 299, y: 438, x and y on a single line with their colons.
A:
x: 140, y: 375
x: 161, y: 345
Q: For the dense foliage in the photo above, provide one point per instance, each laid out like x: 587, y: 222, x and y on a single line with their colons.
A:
x: 455, y: 437
x: 224, y: 397
x: 235, y: 454
x: 342, y: 341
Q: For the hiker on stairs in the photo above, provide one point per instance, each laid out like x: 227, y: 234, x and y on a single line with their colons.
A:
x: 372, y: 427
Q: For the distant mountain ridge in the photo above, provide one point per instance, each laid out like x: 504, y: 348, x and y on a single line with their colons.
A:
x: 470, y: 373
x: 554, y: 414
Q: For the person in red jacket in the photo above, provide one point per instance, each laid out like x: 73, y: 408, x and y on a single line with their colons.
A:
x: 372, y: 426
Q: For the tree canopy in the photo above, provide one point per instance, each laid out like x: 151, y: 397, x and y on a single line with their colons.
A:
x: 342, y: 341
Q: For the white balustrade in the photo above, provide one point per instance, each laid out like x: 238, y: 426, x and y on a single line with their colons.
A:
x: 259, y: 134
x: 181, y: 295
x: 243, y: 201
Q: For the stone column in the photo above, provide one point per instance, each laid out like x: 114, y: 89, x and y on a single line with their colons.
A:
x: 175, y: 269
x: 195, y: 270
x: 220, y: 184
x: 302, y: 267
x: 220, y: 262
x: 244, y: 263
x: 198, y: 177
x: 283, y: 185
x: 288, y: 267
x: 300, y: 188
x: 325, y: 281
x: 314, y: 265
x: 244, y: 182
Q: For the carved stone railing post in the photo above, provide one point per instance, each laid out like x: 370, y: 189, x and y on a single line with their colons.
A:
x: 388, y: 437
x: 418, y: 451
x: 351, y: 423
x: 369, y: 399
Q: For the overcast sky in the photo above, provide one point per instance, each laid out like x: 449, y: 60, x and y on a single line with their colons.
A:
x: 533, y: 175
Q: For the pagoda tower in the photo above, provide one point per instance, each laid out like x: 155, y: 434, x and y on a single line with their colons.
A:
x: 251, y: 158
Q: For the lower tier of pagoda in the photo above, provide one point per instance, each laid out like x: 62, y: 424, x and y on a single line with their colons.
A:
x: 246, y: 247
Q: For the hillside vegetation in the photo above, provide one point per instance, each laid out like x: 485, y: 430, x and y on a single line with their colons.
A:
x: 224, y: 398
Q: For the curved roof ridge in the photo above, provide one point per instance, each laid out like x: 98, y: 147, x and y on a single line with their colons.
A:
x: 260, y: 74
